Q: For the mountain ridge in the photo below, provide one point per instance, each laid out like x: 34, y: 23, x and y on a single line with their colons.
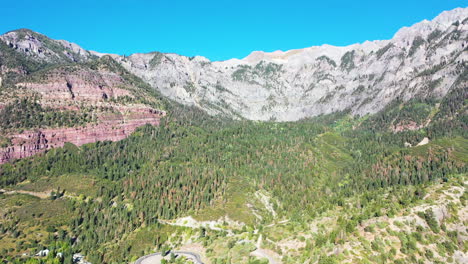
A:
x: 444, y: 18
x: 424, y: 60
x: 316, y: 80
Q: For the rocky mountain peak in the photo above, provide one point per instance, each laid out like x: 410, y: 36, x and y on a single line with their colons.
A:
x: 447, y: 18
x: 442, y: 22
x: 44, y: 49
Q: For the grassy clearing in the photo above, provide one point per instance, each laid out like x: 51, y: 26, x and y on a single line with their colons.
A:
x: 458, y: 147
x: 72, y: 183
x: 29, y: 221
x: 233, y: 204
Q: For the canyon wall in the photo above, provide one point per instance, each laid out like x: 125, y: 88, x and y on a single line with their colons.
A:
x: 29, y: 143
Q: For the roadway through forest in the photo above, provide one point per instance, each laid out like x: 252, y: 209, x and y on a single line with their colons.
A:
x: 156, y: 258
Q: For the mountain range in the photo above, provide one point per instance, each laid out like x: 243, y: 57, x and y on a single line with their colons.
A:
x: 424, y: 60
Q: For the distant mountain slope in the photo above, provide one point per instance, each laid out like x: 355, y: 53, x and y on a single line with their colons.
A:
x: 424, y: 60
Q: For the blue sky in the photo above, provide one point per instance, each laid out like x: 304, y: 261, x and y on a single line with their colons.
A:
x: 217, y: 29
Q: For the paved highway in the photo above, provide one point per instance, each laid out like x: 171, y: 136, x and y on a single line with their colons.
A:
x: 155, y: 258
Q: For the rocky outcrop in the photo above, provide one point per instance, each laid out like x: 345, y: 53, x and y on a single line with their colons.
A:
x: 79, y: 85
x: 45, y: 49
x: 111, y: 128
x: 405, y: 126
x: 423, y: 142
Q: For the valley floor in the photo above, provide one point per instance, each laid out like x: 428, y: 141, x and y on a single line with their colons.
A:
x: 410, y: 236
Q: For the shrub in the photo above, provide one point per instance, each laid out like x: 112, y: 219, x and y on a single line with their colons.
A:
x: 430, y: 220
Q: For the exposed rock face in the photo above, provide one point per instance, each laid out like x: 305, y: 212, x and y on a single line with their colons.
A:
x: 77, y: 90
x: 115, y: 105
x: 410, y: 125
x: 423, y: 60
x: 423, y: 142
x: 112, y: 128
x: 45, y: 49
x: 79, y: 85
x: 35, y: 143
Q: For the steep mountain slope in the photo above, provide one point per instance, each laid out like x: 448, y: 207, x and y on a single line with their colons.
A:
x: 53, y: 92
x: 42, y: 48
x: 424, y: 60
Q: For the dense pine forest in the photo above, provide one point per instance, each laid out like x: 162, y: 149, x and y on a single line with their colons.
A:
x: 105, y: 193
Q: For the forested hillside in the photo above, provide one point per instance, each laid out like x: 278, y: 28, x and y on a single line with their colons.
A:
x: 103, y: 195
